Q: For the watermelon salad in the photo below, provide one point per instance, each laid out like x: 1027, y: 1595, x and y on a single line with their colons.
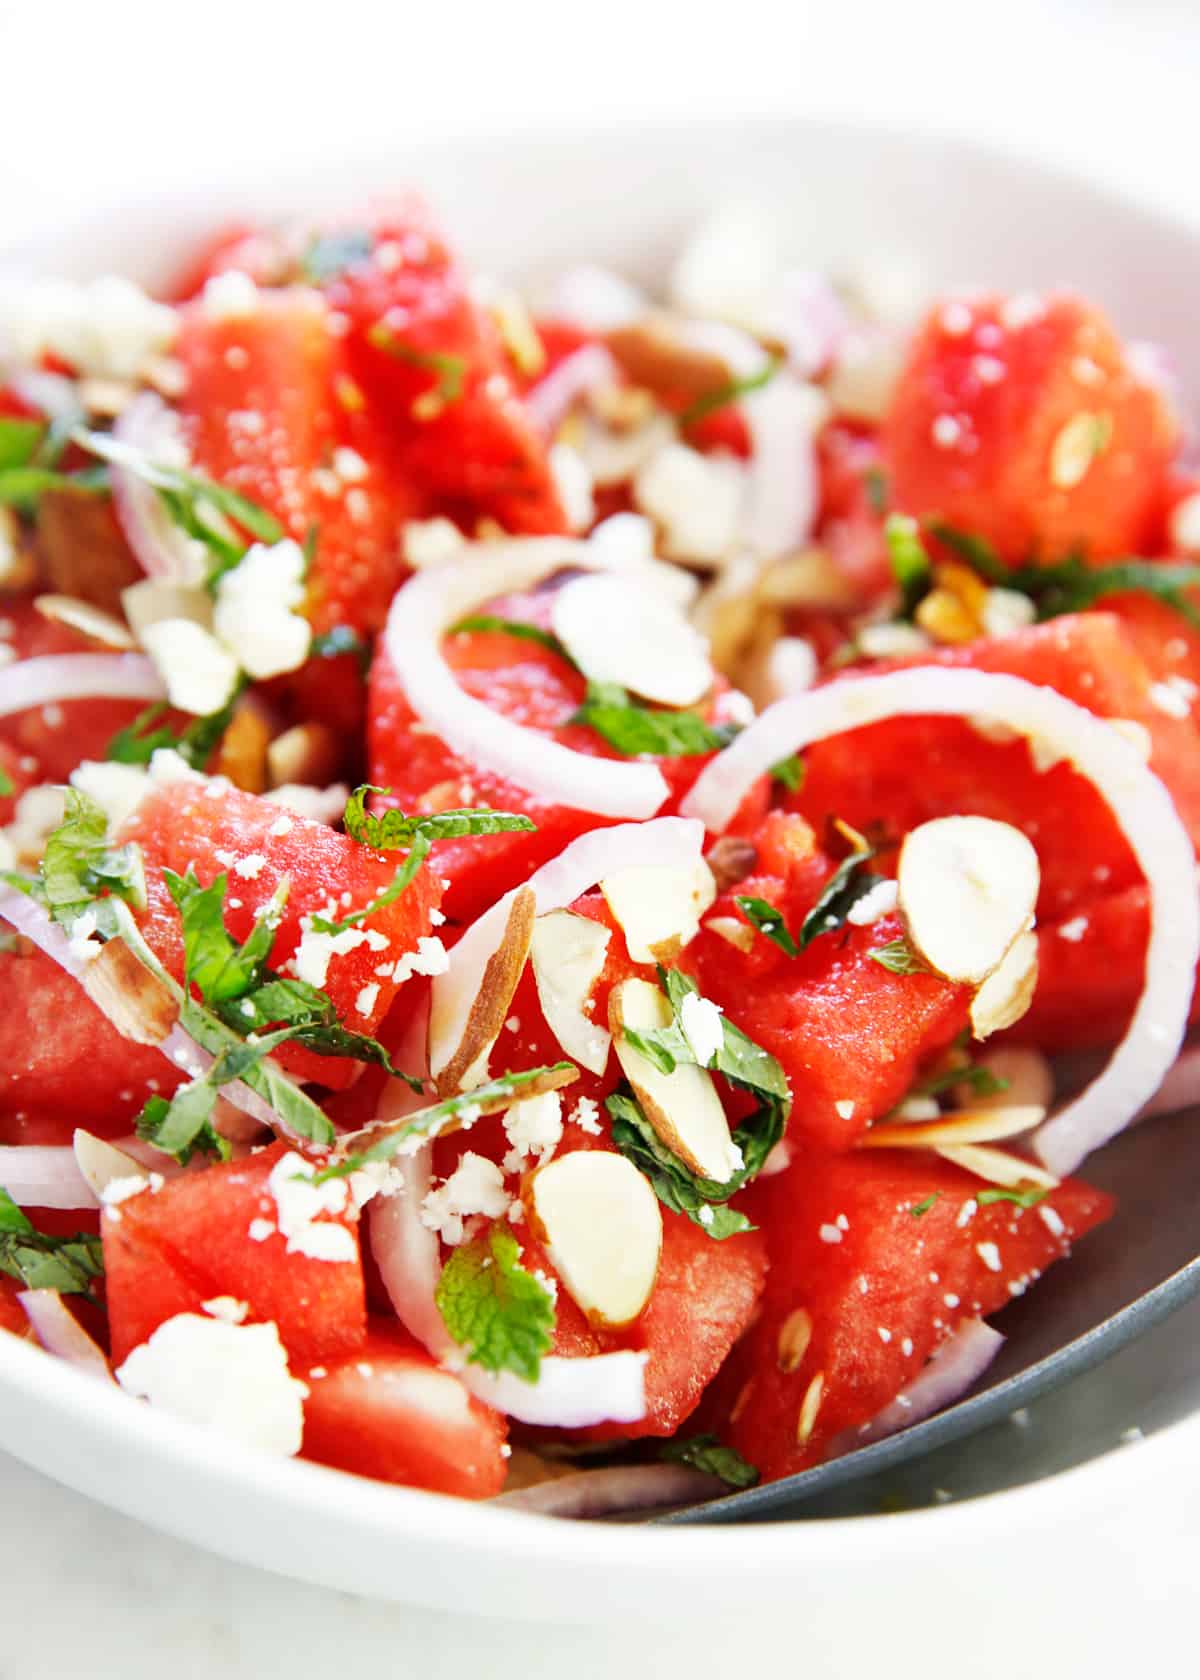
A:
x: 557, y: 844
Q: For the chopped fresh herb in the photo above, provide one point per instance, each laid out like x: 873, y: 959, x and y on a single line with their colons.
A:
x: 168, y: 1124
x: 789, y: 773
x: 79, y: 865
x: 311, y: 1015
x: 765, y: 919
x: 342, y: 638
x: 729, y: 393
x: 331, y: 254
x: 7, y: 786
x: 23, y: 487
x: 924, y: 1207
x: 140, y: 740
x: 849, y: 883
x: 911, y: 566
x: 975, y: 552
x: 500, y: 1313
x: 19, y: 440
x: 511, y: 627
x: 68, y: 1264
x: 876, y: 486
x: 393, y: 829
x: 705, y: 1452
x: 983, y: 1082
x: 634, y: 729
x: 674, y: 1183
x: 399, y: 883
x: 1026, y: 1198
x: 428, y: 1122
x: 898, y: 957
x: 451, y: 370
x: 213, y: 960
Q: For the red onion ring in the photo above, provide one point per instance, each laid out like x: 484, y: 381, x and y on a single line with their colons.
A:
x: 55, y: 677
x: 161, y: 547
x: 587, y: 369
x: 43, y: 1175
x: 955, y: 1367
x: 606, y: 1493
x: 60, y: 1332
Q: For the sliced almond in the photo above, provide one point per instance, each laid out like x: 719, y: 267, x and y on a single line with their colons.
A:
x: 154, y: 599
x: 662, y: 355
x: 659, y: 910
x: 653, y: 651
x: 997, y: 1166
x: 134, y: 1000
x: 734, y: 932
x: 469, y: 1002
x: 683, y: 1106
x: 965, y: 1126
x: 602, y: 1228
x: 309, y: 753
x: 567, y: 953
x: 968, y: 887
x: 100, y: 1163
x: 352, y: 1143
x: 1027, y: 1076
x: 242, y: 753
x: 82, y: 550
x: 1007, y: 993
x: 809, y: 1407
x: 18, y: 565
x: 87, y: 619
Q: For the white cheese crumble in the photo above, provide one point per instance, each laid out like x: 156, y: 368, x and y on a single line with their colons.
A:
x: 700, y: 1021
x: 586, y: 1115
x: 349, y: 465
x: 1185, y: 525
x: 106, y: 329
x: 476, y: 1186
x: 1074, y: 930
x: 227, y: 1308
x: 535, y: 1126
x: 879, y: 902
x: 1174, y: 696
x: 1052, y: 1220
x: 199, y: 673
x: 280, y: 827
x: 431, y: 542
x: 430, y: 957
x: 119, y: 1190
x: 695, y: 499
x: 367, y: 998
x: 845, y: 1108
x: 257, y: 614
x: 250, y: 867
x: 299, y: 1204
x: 231, y: 1378
x: 316, y: 950
x: 989, y: 1254
x: 830, y: 1233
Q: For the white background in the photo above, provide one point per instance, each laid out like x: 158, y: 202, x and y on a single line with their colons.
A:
x: 144, y: 94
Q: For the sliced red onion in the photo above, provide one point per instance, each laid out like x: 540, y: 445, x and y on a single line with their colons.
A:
x: 588, y: 369
x: 956, y: 1366
x: 1180, y: 1089
x: 55, y: 677
x: 1137, y: 798
x: 420, y: 615
x: 60, y: 1332
x: 42, y: 1175
x: 607, y: 1493
x: 806, y: 315
x: 781, y: 482
x: 160, y: 545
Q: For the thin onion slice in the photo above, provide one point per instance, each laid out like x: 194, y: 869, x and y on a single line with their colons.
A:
x: 60, y: 1332
x: 425, y: 608
x: 591, y: 368
x: 608, y: 1492
x: 54, y: 677
x: 1138, y: 800
x: 956, y: 1366
x: 44, y: 1176
x: 160, y: 545
x: 1180, y: 1089
x: 781, y: 482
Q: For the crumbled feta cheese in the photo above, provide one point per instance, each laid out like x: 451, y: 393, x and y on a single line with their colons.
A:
x: 1185, y: 525
x: 250, y: 867
x: 299, y: 1204
x: 377, y: 1178
x: 695, y: 499
x: 946, y: 431
x: 956, y: 319
x: 199, y: 673
x: 106, y: 329
x: 119, y: 1190
x: 430, y: 957
x: 231, y: 296
x: 232, y: 1378
x: 1074, y: 930
x: 966, y: 1213
x: 951, y: 1300
x: 1174, y: 696
x: 226, y: 1307
x: 906, y: 1347
x: 586, y: 1115
x: 885, y: 1336
x: 700, y: 1021
x: 535, y: 1126
x: 845, y: 1108
x: 257, y: 614
x: 280, y: 827
x: 878, y: 902
x: 367, y: 998
x: 349, y: 465
x: 989, y: 1254
x: 316, y: 950
x: 476, y: 1186
x: 830, y: 1233
x: 1051, y: 1219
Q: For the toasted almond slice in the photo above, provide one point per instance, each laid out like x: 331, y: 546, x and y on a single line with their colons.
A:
x: 653, y: 651
x: 599, y: 1220
x: 966, y: 1126
x: 470, y: 1001
x: 1027, y: 1076
x: 659, y: 910
x: 968, y: 887
x: 683, y: 1106
x: 734, y: 932
x: 101, y: 1163
x: 154, y: 599
x: 567, y: 953
x: 309, y: 753
x: 1007, y: 993
x: 997, y: 1166
x: 134, y: 1000
x: 87, y: 619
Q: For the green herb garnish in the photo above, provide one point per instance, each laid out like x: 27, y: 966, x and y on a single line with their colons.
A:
x: 768, y: 921
x: 711, y: 401
x: 634, y: 729
x: 1022, y: 1198
x: 911, y: 565
x: 68, y: 1264
x: 512, y: 627
x: 138, y: 742
x: 898, y: 957
x: 922, y: 1208
x: 849, y: 883
x: 451, y: 370
x: 789, y: 773
x: 497, y: 1311
x: 331, y: 254
x: 705, y: 1452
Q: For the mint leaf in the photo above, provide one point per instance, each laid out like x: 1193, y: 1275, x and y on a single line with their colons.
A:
x: 789, y: 773
x: 7, y: 785
x: 676, y: 1186
x: 512, y: 627
x: 922, y: 1208
x: 983, y: 1082
x: 213, y: 961
x: 911, y: 565
x: 635, y: 730
x: 400, y: 882
x: 768, y: 921
x: 898, y: 957
x: 392, y: 829
x: 68, y: 1264
x: 138, y: 742
x: 79, y: 865
x: 848, y: 883
x: 730, y: 393
x: 705, y: 1452
x: 23, y: 487
x: 1021, y: 1198
x: 167, y: 1125
x: 500, y: 1313
x: 19, y: 440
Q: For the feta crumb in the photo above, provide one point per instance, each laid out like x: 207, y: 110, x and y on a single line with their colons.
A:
x: 231, y: 1378
x: 1074, y: 930
x: 885, y: 1336
x: 946, y: 431
x: 280, y: 827
x: 299, y: 1204
x: 586, y: 1115
x: 476, y: 1186
x: 349, y: 465
x: 431, y: 542
x: 696, y: 500
x: 316, y: 950
x: 966, y: 1213
x: 250, y: 867
x: 535, y: 1125
x: 231, y: 296
x: 430, y: 957
x: 956, y: 319
x: 1185, y: 525
x: 257, y: 612
x: 705, y: 1214
x: 842, y: 1223
x: 365, y: 1002
x: 119, y: 1190
x: 830, y: 1233
x: 700, y: 1021
x: 906, y: 1347
x: 951, y: 1300
x: 845, y: 1108
x: 199, y: 673
x: 1174, y: 696
x: 918, y: 1108
x: 226, y: 1307
x: 879, y: 901
x: 989, y: 1254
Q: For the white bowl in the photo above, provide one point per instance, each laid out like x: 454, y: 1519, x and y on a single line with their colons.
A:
x: 858, y: 200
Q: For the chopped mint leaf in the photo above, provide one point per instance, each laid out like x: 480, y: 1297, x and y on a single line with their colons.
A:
x: 23, y: 487
x: 68, y: 1264
x: 729, y: 393
x: 19, y: 441
x: 898, y: 957
x: 512, y: 627
x: 876, y: 486
x: 765, y: 919
x: 975, y: 552
x: 331, y: 254
x: 7, y: 786
x: 392, y: 829
x: 1026, y: 1198
x: 500, y: 1313
x: 451, y: 370
x: 849, y: 882
x: 167, y: 1125
x: 634, y: 729
x: 311, y: 1015
x: 674, y: 1183
x: 138, y: 742
x: 983, y: 1082
x: 79, y: 865
x: 911, y: 566
x: 924, y: 1207
x: 789, y: 773
x: 705, y: 1452
x: 214, y: 961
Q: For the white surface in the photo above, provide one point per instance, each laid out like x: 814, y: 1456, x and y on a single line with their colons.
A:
x: 135, y: 96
